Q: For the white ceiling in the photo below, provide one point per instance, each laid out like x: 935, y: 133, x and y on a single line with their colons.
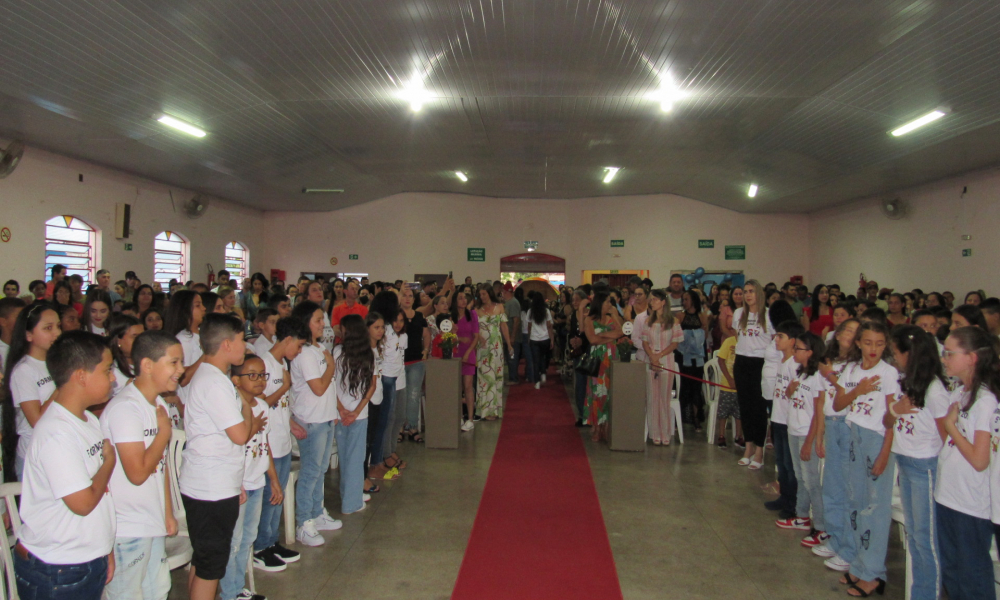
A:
x: 532, y: 98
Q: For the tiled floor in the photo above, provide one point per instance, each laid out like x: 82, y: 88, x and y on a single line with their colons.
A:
x: 684, y: 522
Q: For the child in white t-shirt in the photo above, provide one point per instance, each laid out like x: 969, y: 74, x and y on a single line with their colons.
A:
x: 784, y: 340
x: 917, y: 419
x: 137, y: 425
x: 28, y: 384
x: 267, y: 321
x: 963, y: 496
x: 290, y: 335
x: 122, y: 331
x: 868, y: 385
x: 183, y: 319
x: 355, y: 382
x: 250, y: 379
x: 218, y: 424
x: 806, y: 395
x: 67, y: 513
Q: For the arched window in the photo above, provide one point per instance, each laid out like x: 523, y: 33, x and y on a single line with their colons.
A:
x: 71, y: 242
x: 170, y: 258
x: 237, y: 261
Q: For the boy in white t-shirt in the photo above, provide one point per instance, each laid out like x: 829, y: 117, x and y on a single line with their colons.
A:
x: 267, y: 322
x: 784, y: 340
x: 218, y: 425
x: 290, y: 335
x: 68, y: 515
x: 138, y: 426
x: 250, y: 379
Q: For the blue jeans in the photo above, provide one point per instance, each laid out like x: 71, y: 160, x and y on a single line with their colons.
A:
x: 809, y: 492
x: 836, y: 506
x: 351, y: 446
x: 580, y: 392
x: 916, y: 491
x: 141, y: 570
x: 270, y: 514
x: 314, y: 458
x: 239, y: 551
x: 414, y: 390
x: 871, y: 504
x: 966, y: 566
x: 385, y: 418
x: 37, y: 580
x: 787, y: 484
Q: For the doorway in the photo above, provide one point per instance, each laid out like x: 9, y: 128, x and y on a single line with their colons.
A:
x: 517, y: 268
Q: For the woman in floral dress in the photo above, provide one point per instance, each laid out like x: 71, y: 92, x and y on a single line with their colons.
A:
x: 602, y: 330
x: 494, y: 341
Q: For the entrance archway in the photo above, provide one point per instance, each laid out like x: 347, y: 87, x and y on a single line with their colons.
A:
x: 518, y: 267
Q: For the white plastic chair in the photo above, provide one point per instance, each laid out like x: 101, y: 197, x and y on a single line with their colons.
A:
x: 9, y: 493
x: 178, y: 547
x: 711, y: 395
x: 675, y: 408
x: 288, y: 509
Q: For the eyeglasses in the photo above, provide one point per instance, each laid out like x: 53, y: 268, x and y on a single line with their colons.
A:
x: 255, y: 376
x: 950, y: 353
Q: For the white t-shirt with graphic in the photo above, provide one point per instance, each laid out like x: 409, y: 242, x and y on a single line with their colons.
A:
x: 831, y: 391
x: 306, y: 406
x: 139, y: 509
x: 784, y: 376
x: 344, y: 396
x: 191, y: 343
x: 867, y: 411
x: 213, y: 465
x: 262, y: 345
x: 772, y: 361
x: 995, y: 466
x: 393, y: 347
x: 256, y: 459
x: 64, y: 455
x: 917, y: 435
x: 279, y: 428
x: 959, y: 486
x: 753, y: 340
x: 801, y: 407
x: 30, y: 380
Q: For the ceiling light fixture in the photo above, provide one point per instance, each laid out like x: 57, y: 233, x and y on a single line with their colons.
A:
x: 752, y: 192
x: 667, y: 95
x: 181, y: 126
x: 462, y: 176
x: 610, y: 173
x: 415, y: 93
x: 322, y: 190
x: 930, y: 117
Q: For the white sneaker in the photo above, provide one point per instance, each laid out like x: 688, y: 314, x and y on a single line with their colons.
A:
x: 468, y: 426
x: 248, y: 595
x: 538, y: 385
x: 543, y: 377
x: 366, y: 497
x: 837, y: 564
x: 334, y: 461
x: 307, y: 534
x: 325, y: 522
x: 363, y: 506
x: 824, y: 551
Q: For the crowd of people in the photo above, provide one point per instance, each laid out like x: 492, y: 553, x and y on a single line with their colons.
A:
x: 332, y: 371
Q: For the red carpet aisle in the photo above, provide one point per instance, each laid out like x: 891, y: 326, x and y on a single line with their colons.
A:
x: 539, y: 533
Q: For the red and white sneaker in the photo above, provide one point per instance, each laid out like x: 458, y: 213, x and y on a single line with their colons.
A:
x: 796, y: 523
x: 815, y: 539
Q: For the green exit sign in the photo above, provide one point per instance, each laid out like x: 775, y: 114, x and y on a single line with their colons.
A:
x: 128, y: 247
x: 352, y: 257
x: 966, y: 251
x: 617, y: 243
x: 706, y: 243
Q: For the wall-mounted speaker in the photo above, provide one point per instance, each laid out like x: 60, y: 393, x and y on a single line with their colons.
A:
x: 123, y: 220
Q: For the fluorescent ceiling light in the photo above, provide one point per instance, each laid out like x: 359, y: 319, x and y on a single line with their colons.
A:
x: 322, y: 190
x: 611, y: 172
x: 181, y: 126
x: 918, y: 123
x: 752, y: 192
x: 667, y: 95
x: 461, y: 176
x: 415, y: 93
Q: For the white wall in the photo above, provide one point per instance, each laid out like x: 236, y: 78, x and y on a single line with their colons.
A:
x: 924, y: 249
x: 45, y: 185
x: 404, y: 234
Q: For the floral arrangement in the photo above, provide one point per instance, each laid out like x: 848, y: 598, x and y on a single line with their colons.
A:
x: 449, y: 341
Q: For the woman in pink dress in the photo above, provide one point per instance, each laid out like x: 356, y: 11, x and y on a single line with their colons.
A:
x: 467, y: 329
x: 660, y: 337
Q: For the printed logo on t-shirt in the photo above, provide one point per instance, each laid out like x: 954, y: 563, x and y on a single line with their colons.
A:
x: 257, y: 447
x: 96, y: 449
x: 995, y: 432
x: 905, y: 424
x: 44, y: 381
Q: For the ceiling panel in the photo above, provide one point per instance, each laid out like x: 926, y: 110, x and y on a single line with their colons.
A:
x: 532, y: 99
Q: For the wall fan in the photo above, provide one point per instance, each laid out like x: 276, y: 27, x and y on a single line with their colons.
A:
x: 196, y: 206
x: 894, y: 209
x: 10, y: 157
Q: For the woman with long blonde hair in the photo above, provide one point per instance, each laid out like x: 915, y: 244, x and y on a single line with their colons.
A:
x: 753, y: 334
x: 659, y: 338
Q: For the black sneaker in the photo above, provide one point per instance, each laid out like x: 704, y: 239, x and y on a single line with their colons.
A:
x: 288, y: 556
x: 265, y: 560
x: 581, y: 423
x: 721, y: 443
x: 477, y: 418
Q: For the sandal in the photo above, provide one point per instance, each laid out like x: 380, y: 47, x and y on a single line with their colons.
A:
x: 743, y: 462
x: 391, y: 474
x: 397, y: 463
x: 848, y: 580
x: 414, y: 436
x: 755, y: 466
x: 374, y: 489
x: 879, y: 589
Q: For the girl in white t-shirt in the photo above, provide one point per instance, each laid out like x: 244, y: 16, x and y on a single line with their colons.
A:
x: 28, y: 385
x: 962, y: 493
x: 867, y: 386
x: 753, y: 334
x: 376, y: 336
x: 387, y: 466
x: 538, y: 319
x: 355, y: 381
x: 183, y: 320
x: 122, y: 331
x: 96, y: 311
x: 917, y: 419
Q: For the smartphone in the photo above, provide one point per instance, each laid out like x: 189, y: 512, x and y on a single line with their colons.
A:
x: 450, y: 276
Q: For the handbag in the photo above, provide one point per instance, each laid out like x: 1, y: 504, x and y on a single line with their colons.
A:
x: 588, y: 365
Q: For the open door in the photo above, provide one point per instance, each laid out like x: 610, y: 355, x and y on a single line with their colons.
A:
x: 519, y: 267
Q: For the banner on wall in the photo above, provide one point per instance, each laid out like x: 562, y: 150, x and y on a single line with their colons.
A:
x: 706, y: 280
